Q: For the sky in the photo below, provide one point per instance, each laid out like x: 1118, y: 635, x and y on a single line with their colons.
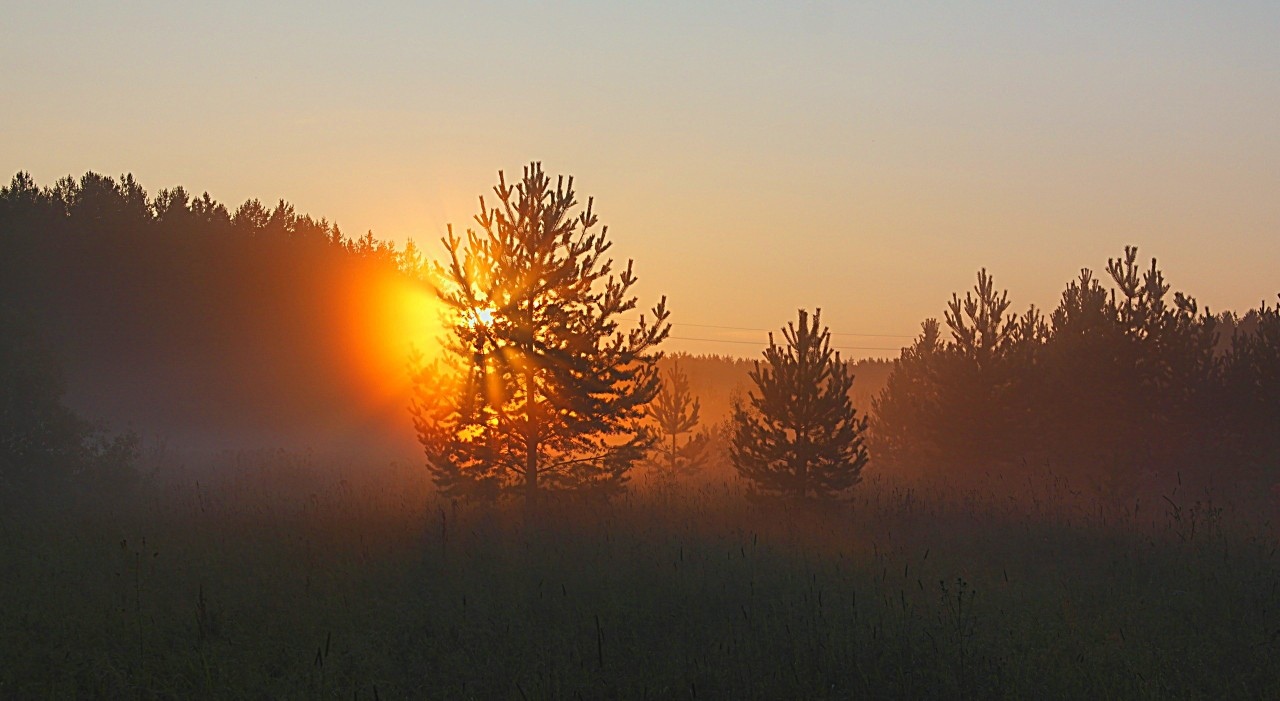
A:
x: 752, y: 158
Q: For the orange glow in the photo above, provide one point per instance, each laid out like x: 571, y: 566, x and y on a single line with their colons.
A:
x: 386, y: 318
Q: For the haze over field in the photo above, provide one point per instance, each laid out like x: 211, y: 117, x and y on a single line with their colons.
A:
x: 753, y: 158
x: 806, y: 350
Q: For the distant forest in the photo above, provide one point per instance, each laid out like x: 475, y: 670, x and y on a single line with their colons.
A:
x: 187, y: 320
x: 175, y: 316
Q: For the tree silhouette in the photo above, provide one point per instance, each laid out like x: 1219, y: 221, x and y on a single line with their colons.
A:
x: 43, y: 443
x: 980, y: 327
x: 905, y: 413
x: 675, y: 411
x: 540, y: 388
x: 1087, y: 372
x: 800, y: 436
x: 39, y: 436
x: 982, y: 390
x: 963, y: 404
x: 1127, y: 376
x: 1115, y: 386
x: 1251, y: 378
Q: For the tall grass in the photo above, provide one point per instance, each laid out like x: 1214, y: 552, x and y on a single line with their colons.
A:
x: 278, y: 575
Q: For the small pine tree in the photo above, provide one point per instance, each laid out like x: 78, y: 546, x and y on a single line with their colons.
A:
x: 798, y: 434
x: 675, y: 412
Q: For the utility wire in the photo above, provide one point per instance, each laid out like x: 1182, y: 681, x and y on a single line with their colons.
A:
x: 750, y: 328
x: 833, y: 333
x: 757, y: 343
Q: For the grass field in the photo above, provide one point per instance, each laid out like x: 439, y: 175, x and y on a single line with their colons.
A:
x: 286, y: 578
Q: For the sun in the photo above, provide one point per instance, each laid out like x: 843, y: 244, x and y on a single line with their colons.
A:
x: 482, y: 317
x: 383, y: 319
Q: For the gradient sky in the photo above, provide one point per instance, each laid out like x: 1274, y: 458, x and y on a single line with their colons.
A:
x: 753, y: 158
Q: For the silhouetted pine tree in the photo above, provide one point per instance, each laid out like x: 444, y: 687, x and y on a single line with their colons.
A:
x: 964, y: 405
x: 1088, y: 373
x: 1173, y: 343
x: 980, y: 328
x: 1251, y: 386
x: 983, y: 384
x: 675, y: 412
x: 544, y: 390
x: 1116, y: 387
x: 904, y: 415
x: 1128, y: 378
x: 800, y: 436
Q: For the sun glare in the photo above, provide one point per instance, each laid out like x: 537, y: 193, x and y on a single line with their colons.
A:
x: 387, y: 319
x: 480, y: 317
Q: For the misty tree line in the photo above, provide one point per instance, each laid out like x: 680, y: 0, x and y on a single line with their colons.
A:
x: 100, y: 276
x: 1122, y: 387
x: 194, y: 310
x: 1121, y: 384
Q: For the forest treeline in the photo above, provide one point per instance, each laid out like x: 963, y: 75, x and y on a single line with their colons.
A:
x: 183, y: 318
x: 176, y: 315
x: 1121, y: 387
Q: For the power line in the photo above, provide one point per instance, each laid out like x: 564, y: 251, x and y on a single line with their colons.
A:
x: 833, y: 333
x: 751, y: 328
x: 757, y: 343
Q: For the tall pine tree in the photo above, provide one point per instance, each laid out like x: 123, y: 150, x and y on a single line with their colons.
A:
x: 539, y: 387
x: 798, y: 434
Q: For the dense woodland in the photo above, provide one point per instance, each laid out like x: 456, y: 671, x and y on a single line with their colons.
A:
x: 1122, y: 386
x: 177, y: 317
x: 181, y: 319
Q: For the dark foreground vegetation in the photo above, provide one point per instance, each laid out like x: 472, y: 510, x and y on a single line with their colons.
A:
x: 272, y: 576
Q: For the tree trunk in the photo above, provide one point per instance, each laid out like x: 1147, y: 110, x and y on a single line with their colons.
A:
x: 532, y: 436
x: 802, y: 469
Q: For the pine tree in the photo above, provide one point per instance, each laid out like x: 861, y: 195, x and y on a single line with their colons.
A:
x: 798, y: 434
x: 1251, y: 377
x: 675, y: 412
x: 980, y: 327
x: 539, y: 387
x: 905, y: 413
x: 984, y: 378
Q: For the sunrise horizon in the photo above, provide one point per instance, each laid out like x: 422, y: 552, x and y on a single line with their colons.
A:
x: 868, y: 162
x: 605, y: 350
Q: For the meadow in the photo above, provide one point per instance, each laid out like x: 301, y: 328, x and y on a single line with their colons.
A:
x: 284, y: 575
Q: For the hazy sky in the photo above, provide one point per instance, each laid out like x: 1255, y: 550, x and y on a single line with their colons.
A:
x: 753, y: 158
